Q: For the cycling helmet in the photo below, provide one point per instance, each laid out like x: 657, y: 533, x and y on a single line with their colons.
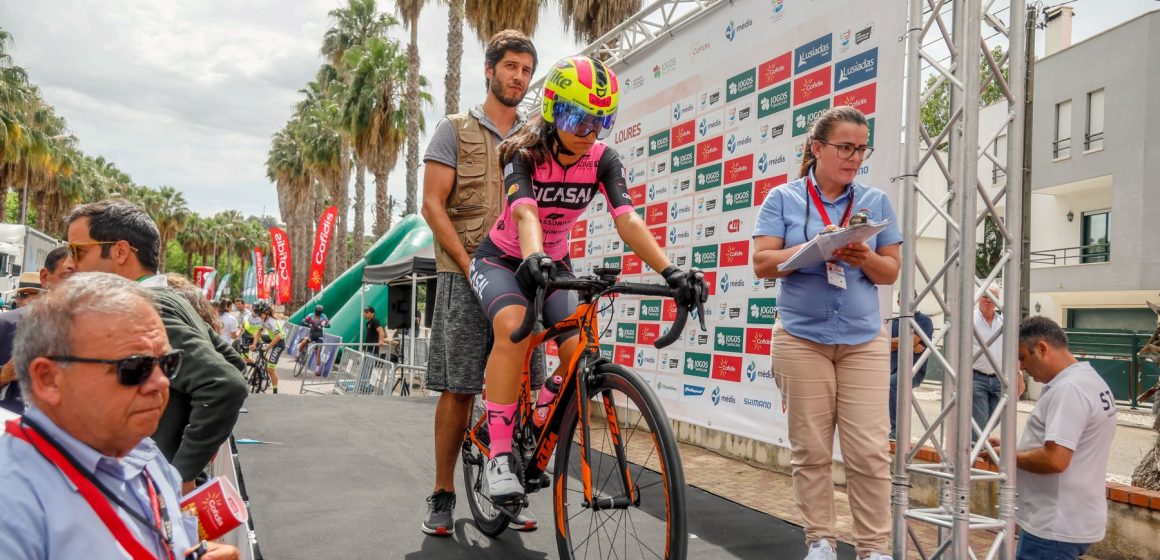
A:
x: 261, y: 308
x: 318, y: 309
x: 580, y: 97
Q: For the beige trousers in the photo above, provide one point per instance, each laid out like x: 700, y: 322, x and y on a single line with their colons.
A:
x: 845, y: 385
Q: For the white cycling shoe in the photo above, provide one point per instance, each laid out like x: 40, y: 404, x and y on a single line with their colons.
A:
x: 503, y: 486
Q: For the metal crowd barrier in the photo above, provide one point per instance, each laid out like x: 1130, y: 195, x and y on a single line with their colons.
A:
x: 353, y: 369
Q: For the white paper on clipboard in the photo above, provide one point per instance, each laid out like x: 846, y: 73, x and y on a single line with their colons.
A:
x: 821, y: 248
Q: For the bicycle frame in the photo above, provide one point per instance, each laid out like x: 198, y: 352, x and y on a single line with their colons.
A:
x: 584, y: 360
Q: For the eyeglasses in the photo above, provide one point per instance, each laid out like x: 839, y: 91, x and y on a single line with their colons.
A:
x: 574, y: 119
x: 133, y: 370
x: 77, y: 250
x: 846, y: 151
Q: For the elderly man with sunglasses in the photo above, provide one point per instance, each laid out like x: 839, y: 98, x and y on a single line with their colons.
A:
x: 118, y: 237
x: 81, y: 477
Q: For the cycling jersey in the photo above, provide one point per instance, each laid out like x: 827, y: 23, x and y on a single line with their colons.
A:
x: 251, y: 324
x: 560, y: 194
x: 315, y: 325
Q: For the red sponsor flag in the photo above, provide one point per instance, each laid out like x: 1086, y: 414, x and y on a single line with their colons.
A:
x: 199, y: 273
x: 321, y: 243
x: 260, y: 274
x: 281, y: 244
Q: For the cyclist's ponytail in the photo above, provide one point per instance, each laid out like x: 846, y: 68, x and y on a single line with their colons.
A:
x: 536, y: 140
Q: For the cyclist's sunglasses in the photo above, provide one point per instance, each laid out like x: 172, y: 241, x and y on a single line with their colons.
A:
x: 573, y: 119
x: 134, y: 370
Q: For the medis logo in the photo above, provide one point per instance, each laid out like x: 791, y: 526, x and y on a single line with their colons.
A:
x: 804, y: 117
x: 683, y: 134
x: 739, y: 169
x: 735, y: 253
x: 731, y: 31
x: 676, y: 112
x: 762, y: 311
x: 750, y: 372
x: 705, y: 256
x: 683, y: 159
x: 737, y: 198
x: 856, y: 69
x: 658, y: 143
x: 773, y: 71
x: 765, y: 163
x: 715, y: 395
x: 740, y: 85
x: 812, y: 54
x: 811, y: 86
x: 709, y: 177
x: 724, y: 286
x: 862, y: 99
x: 736, y: 142
x: 773, y: 101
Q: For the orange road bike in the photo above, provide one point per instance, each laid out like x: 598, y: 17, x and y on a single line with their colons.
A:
x: 619, y: 489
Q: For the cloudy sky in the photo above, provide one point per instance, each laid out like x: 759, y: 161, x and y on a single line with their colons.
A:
x: 187, y: 93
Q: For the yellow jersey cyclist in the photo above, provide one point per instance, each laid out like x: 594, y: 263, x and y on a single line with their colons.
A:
x: 263, y: 327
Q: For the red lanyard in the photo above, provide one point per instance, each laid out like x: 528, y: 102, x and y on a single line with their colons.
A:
x: 822, y: 209
x: 92, y: 494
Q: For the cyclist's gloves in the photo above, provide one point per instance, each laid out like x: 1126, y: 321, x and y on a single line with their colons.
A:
x: 689, y: 286
x: 531, y: 273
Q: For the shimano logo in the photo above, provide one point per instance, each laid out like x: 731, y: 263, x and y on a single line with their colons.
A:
x: 757, y: 403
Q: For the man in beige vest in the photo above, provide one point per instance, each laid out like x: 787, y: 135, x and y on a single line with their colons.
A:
x: 462, y: 198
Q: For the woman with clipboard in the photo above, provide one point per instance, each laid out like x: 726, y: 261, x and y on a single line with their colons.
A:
x: 831, y: 359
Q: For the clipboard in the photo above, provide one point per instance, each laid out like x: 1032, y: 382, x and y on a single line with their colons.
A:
x: 822, y: 247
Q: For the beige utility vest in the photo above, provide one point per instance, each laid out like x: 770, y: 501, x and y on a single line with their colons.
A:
x: 476, y: 199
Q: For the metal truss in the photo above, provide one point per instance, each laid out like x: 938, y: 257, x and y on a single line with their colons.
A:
x: 953, y: 283
x: 655, y: 22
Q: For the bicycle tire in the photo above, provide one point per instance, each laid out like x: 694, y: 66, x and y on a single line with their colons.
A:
x: 490, y: 520
x: 259, y: 379
x: 666, y: 502
x: 301, y: 360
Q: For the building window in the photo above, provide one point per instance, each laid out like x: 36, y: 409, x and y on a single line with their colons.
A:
x: 1095, y: 237
x: 1061, y: 147
x: 999, y: 151
x: 1093, y: 137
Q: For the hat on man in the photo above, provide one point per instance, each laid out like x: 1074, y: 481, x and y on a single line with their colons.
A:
x: 369, y: 309
x: 29, y: 281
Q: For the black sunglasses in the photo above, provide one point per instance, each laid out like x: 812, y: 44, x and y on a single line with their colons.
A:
x: 134, y: 370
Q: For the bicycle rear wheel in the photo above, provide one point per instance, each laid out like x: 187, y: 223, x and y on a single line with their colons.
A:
x: 302, y: 359
x: 491, y: 520
x: 647, y: 523
x: 259, y: 379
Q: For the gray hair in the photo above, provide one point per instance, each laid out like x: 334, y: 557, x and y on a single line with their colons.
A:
x: 48, y: 327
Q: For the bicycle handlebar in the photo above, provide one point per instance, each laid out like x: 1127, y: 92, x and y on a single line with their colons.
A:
x: 607, y: 285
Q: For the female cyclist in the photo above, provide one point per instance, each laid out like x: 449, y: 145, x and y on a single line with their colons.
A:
x: 553, y: 168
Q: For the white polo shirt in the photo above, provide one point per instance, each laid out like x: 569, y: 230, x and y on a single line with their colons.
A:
x: 987, y: 331
x: 1078, y: 412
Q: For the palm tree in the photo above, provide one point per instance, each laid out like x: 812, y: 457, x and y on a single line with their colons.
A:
x: 170, y: 214
x: 452, y: 79
x: 591, y: 19
x: 286, y: 166
x: 317, y: 127
x: 409, y: 10
x: 487, y: 17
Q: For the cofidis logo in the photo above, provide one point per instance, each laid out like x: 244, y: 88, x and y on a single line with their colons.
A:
x: 812, y: 54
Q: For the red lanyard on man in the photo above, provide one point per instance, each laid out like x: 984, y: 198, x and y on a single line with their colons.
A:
x: 91, y: 492
x: 845, y: 221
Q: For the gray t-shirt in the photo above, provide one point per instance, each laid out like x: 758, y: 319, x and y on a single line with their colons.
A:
x: 1076, y: 411
x: 444, y: 145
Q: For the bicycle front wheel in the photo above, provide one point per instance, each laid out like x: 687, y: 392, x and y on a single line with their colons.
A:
x: 259, y: 379
x: 638, y: 486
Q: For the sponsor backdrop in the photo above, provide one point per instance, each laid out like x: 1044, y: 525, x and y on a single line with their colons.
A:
x: 710, y: 122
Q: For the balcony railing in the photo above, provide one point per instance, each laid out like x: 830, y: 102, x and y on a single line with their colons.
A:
x: 1093, y: 141
x: 1083, y: 254
x: 1061, y: 148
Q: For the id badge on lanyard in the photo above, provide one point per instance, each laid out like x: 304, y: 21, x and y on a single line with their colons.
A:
x: 835, y: 272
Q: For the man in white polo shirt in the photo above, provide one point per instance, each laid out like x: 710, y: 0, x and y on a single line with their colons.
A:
x: 1062, y: 455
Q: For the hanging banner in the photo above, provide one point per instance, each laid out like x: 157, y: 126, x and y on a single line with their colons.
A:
x: 250, y: 286
x: 321, y: 244
x: 281, y: 244
x: 208, y: 287
x: 260, y: 264
x: 224, y: 286
x: 199, y: 273
x: 271, y: 282
x: 712, y: 120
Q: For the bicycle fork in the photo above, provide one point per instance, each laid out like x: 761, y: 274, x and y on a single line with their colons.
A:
x: 592, y: 500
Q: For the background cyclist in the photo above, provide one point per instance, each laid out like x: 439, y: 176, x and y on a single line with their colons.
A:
x: 553, y: 168
x: 315, y: 322
x: 270, y: 332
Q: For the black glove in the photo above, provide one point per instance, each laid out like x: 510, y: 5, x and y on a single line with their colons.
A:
x: 530, y: 274
x: 689, y: 285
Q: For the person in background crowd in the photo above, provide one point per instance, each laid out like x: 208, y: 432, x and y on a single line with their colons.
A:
x: 831, y: 359
x: 927, y: 327
x: 316, y: 322
x: 462, y: 197
x: 27, y: 288
x: 205, y: 397
x: 229, y: 330
x: 1062, y: 455
x: 95, y: 363
x: 374, y: 337
x: 987, y: 387
x: 188, y: 290
x: 57, y: 267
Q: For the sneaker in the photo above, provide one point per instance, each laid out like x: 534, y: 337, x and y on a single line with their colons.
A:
x: 502, y: 484
x: 525, y: 521
x: 440, y: 514
x: 876, y: 556
x: 821, y: 550
x: 275, y: 390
